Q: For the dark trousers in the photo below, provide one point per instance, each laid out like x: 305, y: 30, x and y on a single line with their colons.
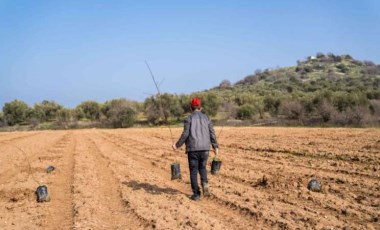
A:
x: 197, y: 162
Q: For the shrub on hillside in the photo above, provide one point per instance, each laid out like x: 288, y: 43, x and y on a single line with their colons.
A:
x: 229, y: 110
x: 326, y: 111
x: 272, y: 104
x: 244, y: 98
x: 246, y: 112
x: 343, y: 68
x: 293, y: 110
x: 259, y: 106
x: 225, y: 84
x: 344, y: 100
x: 375, y: 107
x: 356, y: 115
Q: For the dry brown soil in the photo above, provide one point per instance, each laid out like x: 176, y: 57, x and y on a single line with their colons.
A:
x: 120, y: 179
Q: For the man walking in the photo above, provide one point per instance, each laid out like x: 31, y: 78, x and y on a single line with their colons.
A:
x: 198, y: 133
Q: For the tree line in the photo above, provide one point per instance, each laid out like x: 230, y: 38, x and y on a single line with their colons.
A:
x: 117, y: 113
x: 327, y: 90
x: 228, y: 107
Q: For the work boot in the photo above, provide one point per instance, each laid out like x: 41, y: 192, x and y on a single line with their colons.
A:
x: 205, y: 189
x: 195, y: 197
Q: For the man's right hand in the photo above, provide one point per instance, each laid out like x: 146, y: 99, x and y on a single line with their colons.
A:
x: 216, y: 151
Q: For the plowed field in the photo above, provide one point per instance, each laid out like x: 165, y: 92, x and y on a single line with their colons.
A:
x: 120, y: 179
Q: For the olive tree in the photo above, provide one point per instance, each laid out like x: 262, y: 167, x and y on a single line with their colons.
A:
x: 46, y: 110
x: 152, y: 110
x: 63, y: 116
x: 210, y: 102
x: 15, y: 112
x: 120, y: 113
x: 2, y: 121
x: 163, y: 107
x: 89, y: 110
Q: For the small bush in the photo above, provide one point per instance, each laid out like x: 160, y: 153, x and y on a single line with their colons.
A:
x: 293, y: 110
x: 246, y: 112
x: 326, y: 111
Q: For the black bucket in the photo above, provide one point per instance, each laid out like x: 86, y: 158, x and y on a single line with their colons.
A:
x: 176, y: 171
x: 215, y: 166
x: 314, y: 186
x: 42, y: 194
x: 50, y: 169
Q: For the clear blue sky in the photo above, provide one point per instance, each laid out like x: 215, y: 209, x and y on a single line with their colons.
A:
x: 72, y: 51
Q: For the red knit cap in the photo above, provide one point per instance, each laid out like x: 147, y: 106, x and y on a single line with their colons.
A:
x: 196, y: 102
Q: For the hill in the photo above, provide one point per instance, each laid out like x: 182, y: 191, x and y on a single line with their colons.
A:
x: 338, y: 73
x: 322, y: 88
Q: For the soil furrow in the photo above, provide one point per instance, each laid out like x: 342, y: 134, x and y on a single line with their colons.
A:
x: 212, y: 207
x: 307, y: 200
x: 120, y: 179
x: 18, y: 137
x: 60, y: 186
x: 98, y: 202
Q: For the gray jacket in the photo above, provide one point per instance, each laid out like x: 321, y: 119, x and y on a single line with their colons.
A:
x: 198, y: 133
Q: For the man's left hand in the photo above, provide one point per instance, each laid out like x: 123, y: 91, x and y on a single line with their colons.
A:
x: 174, y: 147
